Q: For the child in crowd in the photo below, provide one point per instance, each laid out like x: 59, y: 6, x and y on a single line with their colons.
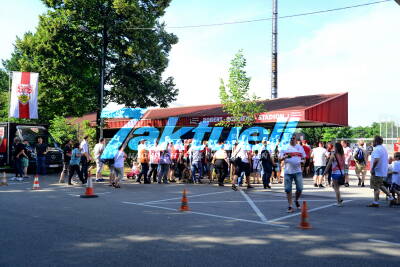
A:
x: 395, y: 186
x: 134, y: 172
x: 256, y: 168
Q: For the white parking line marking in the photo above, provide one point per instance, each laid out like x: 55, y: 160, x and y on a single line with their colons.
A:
x: 244, y: 201
x: 206, y: 194
x: 207, y: 214
x: 384, y: 242
x: 311, y: 210
x: 254, y: 207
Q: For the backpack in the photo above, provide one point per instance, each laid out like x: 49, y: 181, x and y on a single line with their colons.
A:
x: 359, y: 157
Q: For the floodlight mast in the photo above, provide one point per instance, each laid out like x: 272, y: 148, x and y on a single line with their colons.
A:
x: 274, y: 63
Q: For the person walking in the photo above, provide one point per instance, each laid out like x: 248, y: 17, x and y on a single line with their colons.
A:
x: 154, y: 158
x: 360, y: 156
x: 319, y: 155
x: 119, y: 161
x: 25, y: 160
x: 41, y: 151
x: 74, y: 164
x: 85, y: 158
x: 163, y: 166
x: 267, y: 165
x: 379, y: 169
x: 220, y: 161
x: 336, y: 164
x: 242, y: 163
x: 98, y: 150
x: 196, y: 156
x: 347, y: 157
x: 292, y: 156
x: 67, y: 151
x: 143, y: 158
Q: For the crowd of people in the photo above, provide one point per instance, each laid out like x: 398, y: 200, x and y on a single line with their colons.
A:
x: 190, y: 161
x: 22, y: 151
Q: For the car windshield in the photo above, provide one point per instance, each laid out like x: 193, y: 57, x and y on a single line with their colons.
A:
x: 30, y: 134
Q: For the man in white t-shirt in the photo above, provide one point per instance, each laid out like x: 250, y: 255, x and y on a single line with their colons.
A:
x: 347, y: 157
x: 98, y: 150
x: 379, y: 169
x: 319, y: 156
x: 293, y: 155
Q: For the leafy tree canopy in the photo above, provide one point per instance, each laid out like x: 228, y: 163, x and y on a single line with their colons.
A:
x: 235, y: 96
x: 66, y: 50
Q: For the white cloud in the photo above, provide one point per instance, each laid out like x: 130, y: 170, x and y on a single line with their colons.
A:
x: 359, y: 55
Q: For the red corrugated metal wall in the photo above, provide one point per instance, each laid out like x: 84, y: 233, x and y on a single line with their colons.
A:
x: 333, y: 111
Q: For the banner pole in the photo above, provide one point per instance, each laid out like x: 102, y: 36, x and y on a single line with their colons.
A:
x: 8, y: 119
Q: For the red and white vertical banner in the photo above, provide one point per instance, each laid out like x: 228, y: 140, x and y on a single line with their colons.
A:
x: 24, y: 95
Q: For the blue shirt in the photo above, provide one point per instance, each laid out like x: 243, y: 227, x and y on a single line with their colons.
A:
x: 75, y: 159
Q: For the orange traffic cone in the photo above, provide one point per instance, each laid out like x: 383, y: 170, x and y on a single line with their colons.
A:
x: 36, y: 183
x: 89, y: 189
x: 3, y: 180
x: 184, y: 205
x: 304, y: 224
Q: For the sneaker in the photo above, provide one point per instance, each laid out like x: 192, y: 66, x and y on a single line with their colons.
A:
x: 321, y: 186
x: 297, y: 204
x: 290, y: 210
x: 234, y: 188
x: 315, y: 185
x: 20, y: 179
x: 346, y: 184
x: 373, y: 205
x: 13, y: 179
x: 340, y: 203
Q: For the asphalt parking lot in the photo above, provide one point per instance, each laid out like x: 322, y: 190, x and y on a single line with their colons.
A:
x: 141, y: 224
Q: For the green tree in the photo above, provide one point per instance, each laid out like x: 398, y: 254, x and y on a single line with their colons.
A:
x: 235, y: 96
x: 332, y: 133
x: 313, y: 135
x: 66, y: 51
x: 62, y: 130
x: 4, y: 95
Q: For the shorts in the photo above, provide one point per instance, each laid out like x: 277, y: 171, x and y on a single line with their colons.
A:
x: 360, y: 168
x: 297, y: 178
x: 99, y: 166
x: 24, y: 162
x: 242, y: 167
x: 277, y: 167
x: 376, y: 182
x: 319, y: 170
x: 119, y: 173
x: 336, y: 176
x: 306, y: 163
x: 346, y: 169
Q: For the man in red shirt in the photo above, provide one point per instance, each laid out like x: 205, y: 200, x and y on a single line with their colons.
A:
x: 397, y: 145
x: 307, y: 150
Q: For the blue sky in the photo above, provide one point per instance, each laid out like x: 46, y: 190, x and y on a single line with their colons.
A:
x: 355, y: 50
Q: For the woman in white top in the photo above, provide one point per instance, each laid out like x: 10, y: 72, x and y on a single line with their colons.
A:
x: 220, y: 161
